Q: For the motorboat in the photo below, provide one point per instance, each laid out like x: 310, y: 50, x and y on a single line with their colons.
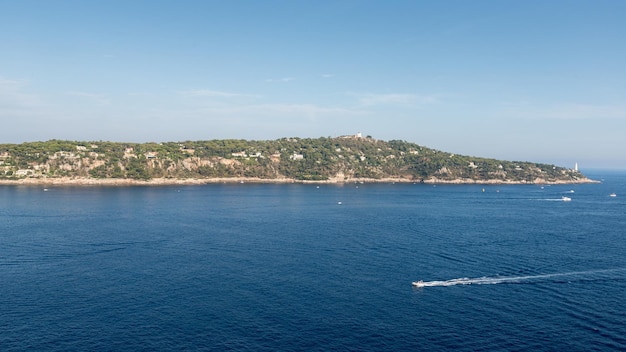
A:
x: 419, y: 283
x: 566, y: 199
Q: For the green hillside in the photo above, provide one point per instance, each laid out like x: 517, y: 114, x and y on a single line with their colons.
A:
x: 336, y: 159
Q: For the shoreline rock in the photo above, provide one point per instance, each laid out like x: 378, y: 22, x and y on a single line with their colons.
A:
x: 86, y: 181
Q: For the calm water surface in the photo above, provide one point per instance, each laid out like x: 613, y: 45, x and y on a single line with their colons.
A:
x: 302, y: 268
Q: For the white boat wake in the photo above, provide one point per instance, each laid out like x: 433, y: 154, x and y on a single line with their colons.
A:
x: 578, y: 275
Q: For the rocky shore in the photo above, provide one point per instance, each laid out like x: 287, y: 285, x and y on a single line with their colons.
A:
x: 87, y: 181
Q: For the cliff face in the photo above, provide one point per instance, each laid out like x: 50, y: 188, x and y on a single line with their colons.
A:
x: 323, y: 159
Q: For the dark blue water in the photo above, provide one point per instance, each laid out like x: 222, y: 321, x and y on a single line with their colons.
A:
x: 286, y: 267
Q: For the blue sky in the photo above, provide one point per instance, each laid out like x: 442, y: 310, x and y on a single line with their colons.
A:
x: 530, y: 80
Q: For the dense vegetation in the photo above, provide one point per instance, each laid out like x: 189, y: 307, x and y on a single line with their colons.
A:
x: 342, y: 158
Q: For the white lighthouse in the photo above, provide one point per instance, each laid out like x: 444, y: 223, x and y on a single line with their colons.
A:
x: 575, y: 166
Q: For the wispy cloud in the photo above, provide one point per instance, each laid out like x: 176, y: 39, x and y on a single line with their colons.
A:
x: 393, y: 99
x: 328, y: 75
x: 12, y: 90
x: 566, y: 112
x: 280, y: 80
x: 99, y: 99
x: 10, y: 85
x: 214, y: 94
x: 14, y: 97
x: 292, y: 110
x: 582, y: 111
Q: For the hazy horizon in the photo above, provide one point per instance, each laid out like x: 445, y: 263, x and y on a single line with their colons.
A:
x: 523, y: 81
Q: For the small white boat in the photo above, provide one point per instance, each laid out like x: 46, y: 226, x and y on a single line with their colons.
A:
x: 612, y: 195
x: 566, y: 199
x: 419, y: 283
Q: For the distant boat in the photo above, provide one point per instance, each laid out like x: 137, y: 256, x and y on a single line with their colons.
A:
x: 612, y: 195
x: 566, y: 199
x: 419, y: 283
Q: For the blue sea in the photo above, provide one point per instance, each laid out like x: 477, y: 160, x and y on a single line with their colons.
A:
x: 292, y: 267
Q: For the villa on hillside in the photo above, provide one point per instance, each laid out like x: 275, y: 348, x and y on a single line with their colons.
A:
x: 354, y: 136
x: 296, y: 156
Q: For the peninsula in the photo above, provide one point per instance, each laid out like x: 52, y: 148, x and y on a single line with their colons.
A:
x: 325, y: 160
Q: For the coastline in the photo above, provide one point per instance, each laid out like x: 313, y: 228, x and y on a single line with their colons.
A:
x: 86, y: 181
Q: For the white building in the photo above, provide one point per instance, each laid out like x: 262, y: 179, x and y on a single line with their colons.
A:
x: 295, y: 156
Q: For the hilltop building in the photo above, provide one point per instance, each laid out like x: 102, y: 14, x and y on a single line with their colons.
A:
x: 355, y: 136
